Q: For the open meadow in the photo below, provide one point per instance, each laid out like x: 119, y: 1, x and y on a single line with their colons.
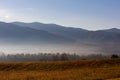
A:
x: 105, y: 69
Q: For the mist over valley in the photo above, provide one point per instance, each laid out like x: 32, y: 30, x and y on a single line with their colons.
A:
x: 35, y: 37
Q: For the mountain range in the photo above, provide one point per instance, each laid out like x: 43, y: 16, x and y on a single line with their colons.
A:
x: 53, y: 33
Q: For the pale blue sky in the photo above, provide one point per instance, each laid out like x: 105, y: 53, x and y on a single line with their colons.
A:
x: 87, y: 14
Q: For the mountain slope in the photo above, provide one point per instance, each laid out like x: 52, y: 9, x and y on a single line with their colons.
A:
x: 46, y: 33
x: 116, y: 30
x: 14, y: 32
x: 70, y: 32
x: 102, y: 36
x: 78, y: 34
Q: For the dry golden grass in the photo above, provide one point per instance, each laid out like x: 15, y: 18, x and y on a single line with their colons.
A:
x: 114, y: 79
x: 67, y: 70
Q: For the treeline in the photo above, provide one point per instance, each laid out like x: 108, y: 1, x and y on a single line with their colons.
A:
x: 46, y: 57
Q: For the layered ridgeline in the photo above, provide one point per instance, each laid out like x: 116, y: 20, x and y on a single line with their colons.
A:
x: 14, y: 33
x: 77, y: 34
x: 74, y: 39
x: 55, y: 33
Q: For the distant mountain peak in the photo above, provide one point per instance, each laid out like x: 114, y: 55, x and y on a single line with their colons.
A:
x: 113, y: 30
x: 36, y: 23
x: 55, y: 33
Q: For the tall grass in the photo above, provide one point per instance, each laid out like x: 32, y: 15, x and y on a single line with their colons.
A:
x: 65, y: 70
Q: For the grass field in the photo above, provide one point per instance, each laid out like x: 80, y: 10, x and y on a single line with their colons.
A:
x: 107, y: 69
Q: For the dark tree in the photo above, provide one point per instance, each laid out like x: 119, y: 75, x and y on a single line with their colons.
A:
x: 114, y: 56
x: 64, y: 57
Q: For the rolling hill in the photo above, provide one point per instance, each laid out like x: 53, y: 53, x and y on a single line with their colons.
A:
x: 78, y: 34
x: 53, y: 33
x: 15, y: 33
x: 73, y: 33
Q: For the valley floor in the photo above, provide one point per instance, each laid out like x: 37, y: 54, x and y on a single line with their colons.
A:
x: 108, y: 69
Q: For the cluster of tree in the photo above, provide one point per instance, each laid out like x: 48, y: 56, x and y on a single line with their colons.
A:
x: 115, y: 56
x: 46, y: 57
x: 38, y: 57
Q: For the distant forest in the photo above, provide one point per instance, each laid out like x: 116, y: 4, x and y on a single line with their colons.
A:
x: 47, y: 57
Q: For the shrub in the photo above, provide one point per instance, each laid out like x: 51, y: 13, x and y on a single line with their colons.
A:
x: 114, y: 56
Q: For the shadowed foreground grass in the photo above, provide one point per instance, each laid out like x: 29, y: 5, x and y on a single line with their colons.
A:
x: 67, y: 70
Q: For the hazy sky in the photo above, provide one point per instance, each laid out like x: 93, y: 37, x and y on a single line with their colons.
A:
x: 87, y: 14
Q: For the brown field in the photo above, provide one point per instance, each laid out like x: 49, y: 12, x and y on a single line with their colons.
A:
x: 107, y: 69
